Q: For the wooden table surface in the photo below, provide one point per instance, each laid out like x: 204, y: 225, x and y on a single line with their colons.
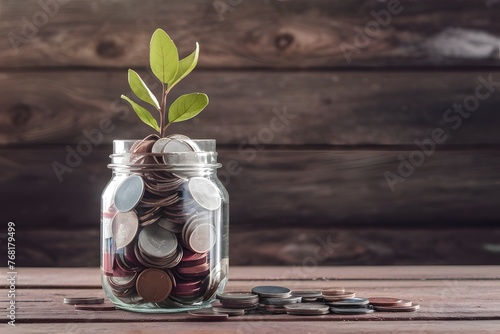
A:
x: 458, y: 299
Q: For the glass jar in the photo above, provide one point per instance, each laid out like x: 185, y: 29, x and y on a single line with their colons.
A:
x: 164, y: 225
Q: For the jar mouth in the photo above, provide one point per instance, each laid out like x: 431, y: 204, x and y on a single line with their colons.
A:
x: 201, y: 154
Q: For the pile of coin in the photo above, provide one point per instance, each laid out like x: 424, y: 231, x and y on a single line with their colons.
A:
x: 277, y: 299
x: 163, y: 226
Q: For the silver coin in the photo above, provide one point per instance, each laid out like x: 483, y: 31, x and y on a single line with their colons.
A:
x: 307, y: 309
x: 351, y: 302
x: 124, y: 228
x: 228, y: 311
x: 360, y: 310
x: 159, y: 145
x: 238, y: 296
x: 202, y: 238
x: 83, y: 300
x: 205, y: 193
x: 268, y: 291
x: 281, y: 301
x: 129, y: 193
x: 178, y: 146
x: 157, y: 242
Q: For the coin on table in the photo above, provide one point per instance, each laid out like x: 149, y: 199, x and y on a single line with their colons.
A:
x: 307, y: 309
x: 281, y: 301
x: 333, y: 291
x: 208, y: 314
x: 83, y: 300
x: 228, y: 311
x: 350, y: 302
x: 411, y: 308
x: 331, y: 298
x: 236, y: 295
x: 129, y: 193
x: 385, y: 301
x: 154, y: 285
x: 268, y: 291
x: 205, y: 193
x: 307, y: 293
x: 124, y: 227
x: 359, y: 310
x: 95, y: 307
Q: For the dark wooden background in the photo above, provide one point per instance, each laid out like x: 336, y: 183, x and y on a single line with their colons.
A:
x: 318, y: 185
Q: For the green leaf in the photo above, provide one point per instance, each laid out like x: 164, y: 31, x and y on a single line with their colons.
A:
x: 187, y: 106
x: 186, y: 66
x: 141, y: 90
x: 143, y: 114
x: 163, y: 57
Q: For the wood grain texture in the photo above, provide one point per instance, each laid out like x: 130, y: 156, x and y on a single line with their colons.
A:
x: 298, y: 34
x: 438, y: 300
x: 277, y: 188
x: 303, y: 326
x: 322, y: 108
x: 85, y: 278
x: 309, y: 247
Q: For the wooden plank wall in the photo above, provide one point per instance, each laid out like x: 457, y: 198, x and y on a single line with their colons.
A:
x: 312, y: 103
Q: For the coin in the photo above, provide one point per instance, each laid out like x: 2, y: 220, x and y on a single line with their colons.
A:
x: 384, y: 301
x: 350, y: 302
x: 228, y: 311
x: 272, y: 291
x: 124, y: 227
x: 95, y: 307
x: 202, y: 238
x: 247, y: 296
x: 157, y: 242
x: 411, y: 308
x: 159, y: 145
x: 205, y: 193
x: 83, y: 300
x: 307, y: 309
x: 333, y: 291
x: 307, y: 293
x: 128, y: 193
x: 154, y: 285
x: 281, y: 301
x: 359, y: 310
x: 346, y: 295
x: 209, y: 315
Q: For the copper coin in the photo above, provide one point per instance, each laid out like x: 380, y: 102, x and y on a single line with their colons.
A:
x: 333, y: 291
x: 154, y: 285
x: 384, y: 301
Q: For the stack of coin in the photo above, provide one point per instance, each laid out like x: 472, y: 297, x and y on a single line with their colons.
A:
x: 162, y: 227
x: 238, y: 300
x: 307, y: 309
x: 331, y: 295
x: 308, y: 295
x: 277, y: 305
x: 350, y: 306
x: 388, y: 304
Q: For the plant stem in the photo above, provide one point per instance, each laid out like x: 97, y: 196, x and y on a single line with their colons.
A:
x: 162, y: 110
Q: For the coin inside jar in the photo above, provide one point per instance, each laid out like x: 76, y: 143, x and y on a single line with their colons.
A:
x: 205, y: 193
x: 128, y: 193
x: 154, y: 285
x: 124, y: 227
x: 157, y: 242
